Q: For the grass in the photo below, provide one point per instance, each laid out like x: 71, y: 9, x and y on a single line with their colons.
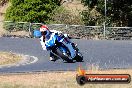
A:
x: 9, y: 58
x: 56, y: 80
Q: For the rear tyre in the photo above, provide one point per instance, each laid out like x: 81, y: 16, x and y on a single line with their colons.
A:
x: 64, y: 57
x: 79, y: 57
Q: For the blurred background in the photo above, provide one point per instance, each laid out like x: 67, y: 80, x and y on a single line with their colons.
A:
x: 85, y: 19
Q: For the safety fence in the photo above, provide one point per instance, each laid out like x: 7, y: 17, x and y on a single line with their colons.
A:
x: 75, y: 31
x: 119, y: 33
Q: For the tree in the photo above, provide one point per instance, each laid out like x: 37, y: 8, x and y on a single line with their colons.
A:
x: 118, y: 11
x: 2, y: 2
x: 64, y: 16
x: 31, y: 10
x: 92, y: 16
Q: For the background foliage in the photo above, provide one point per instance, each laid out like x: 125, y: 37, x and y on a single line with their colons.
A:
x: 61, y: 15
x: 31, y: 10
x: 119, y: 12
x: 39, y: 11
x: 34, y: 11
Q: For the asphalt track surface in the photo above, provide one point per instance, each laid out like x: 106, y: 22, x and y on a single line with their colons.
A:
x: 103, y: 53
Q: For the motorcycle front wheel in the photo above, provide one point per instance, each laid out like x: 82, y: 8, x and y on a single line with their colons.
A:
x: 79, y: 57
x: 64, y: 57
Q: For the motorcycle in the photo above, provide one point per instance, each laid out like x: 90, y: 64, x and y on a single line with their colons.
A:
x: 62, y: 48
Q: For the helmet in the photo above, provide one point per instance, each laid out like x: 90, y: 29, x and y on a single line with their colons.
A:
x: 44, y: 30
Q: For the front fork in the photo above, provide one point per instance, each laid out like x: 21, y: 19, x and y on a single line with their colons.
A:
x: 75, y: 47
x: 70, y: 48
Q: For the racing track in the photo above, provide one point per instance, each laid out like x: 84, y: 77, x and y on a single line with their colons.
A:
x: 105, y: 54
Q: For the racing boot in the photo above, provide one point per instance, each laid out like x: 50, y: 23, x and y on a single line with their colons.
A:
x: 53, y: 59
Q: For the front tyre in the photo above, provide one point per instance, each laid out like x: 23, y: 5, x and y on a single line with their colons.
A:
x: 64, y: 57
x: 79, y: 57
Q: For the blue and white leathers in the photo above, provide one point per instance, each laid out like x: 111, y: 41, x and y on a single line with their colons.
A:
x: 42, y: 41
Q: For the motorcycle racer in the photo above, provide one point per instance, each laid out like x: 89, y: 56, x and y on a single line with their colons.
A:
x: 46, y: 38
